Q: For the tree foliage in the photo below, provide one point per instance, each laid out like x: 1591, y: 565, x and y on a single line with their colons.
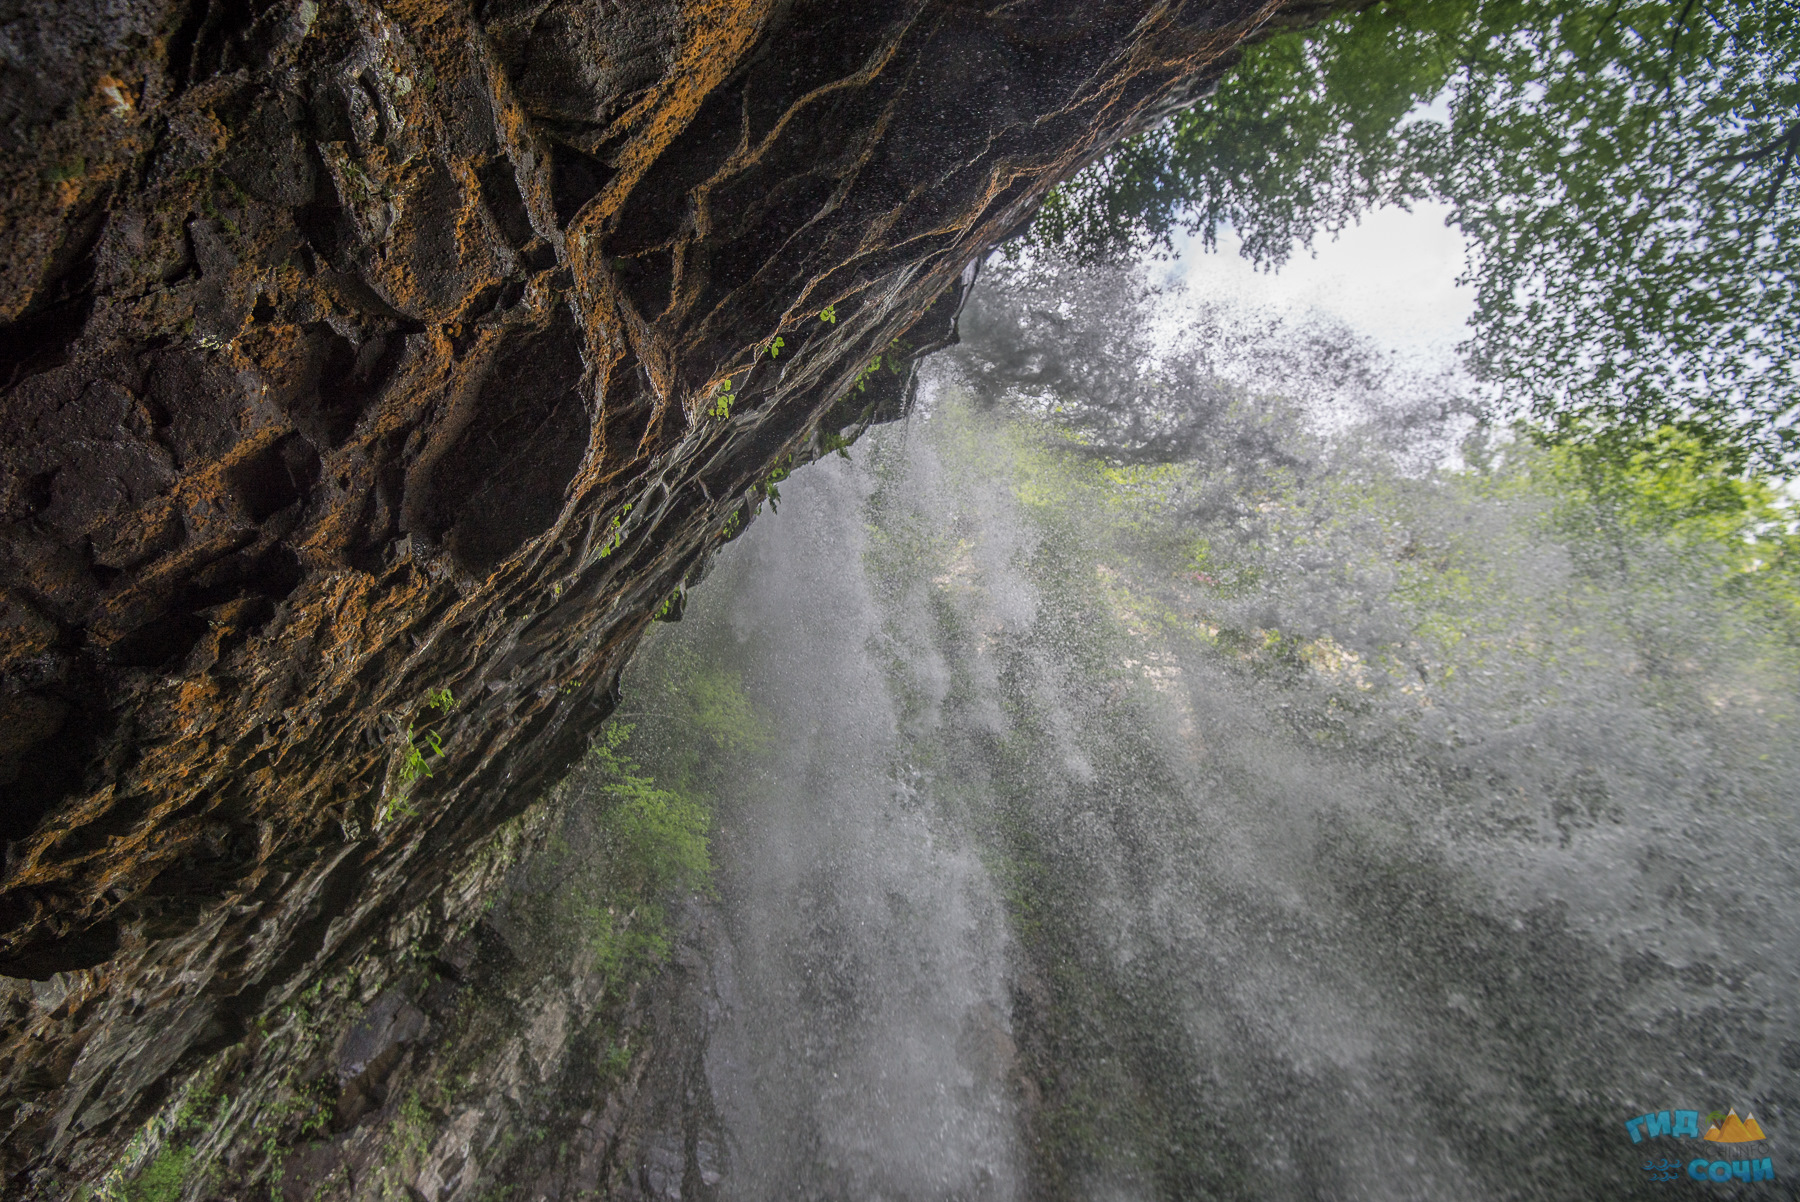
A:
x: 1625, y: 171
x: 657, y: 836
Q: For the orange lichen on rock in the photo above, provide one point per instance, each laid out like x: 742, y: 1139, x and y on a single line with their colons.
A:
x: 715, y: 36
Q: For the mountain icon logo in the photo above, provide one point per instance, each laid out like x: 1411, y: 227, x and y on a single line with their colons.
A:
x: 1733, y: 1130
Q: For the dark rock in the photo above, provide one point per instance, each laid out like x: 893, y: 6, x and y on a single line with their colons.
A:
x: 83, y: 949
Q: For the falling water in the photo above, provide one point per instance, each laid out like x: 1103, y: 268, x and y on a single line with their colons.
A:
x: 1049, y: 866
x: 868, y: 947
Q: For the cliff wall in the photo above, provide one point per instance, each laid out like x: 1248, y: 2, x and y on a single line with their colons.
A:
x: 371, y: 375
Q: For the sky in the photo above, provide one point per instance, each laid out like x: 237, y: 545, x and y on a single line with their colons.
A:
x: 1393, y: 278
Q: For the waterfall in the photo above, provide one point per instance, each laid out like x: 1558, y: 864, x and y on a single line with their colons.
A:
x: 865, y: 1046
x: 1070, y: 849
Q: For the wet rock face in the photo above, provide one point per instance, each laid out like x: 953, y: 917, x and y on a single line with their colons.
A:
x: 354, y: 352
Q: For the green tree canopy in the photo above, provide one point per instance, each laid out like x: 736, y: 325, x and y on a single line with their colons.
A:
x: 1625, y: 171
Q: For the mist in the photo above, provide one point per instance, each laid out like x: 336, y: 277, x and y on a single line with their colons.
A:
x: 1223, y: 768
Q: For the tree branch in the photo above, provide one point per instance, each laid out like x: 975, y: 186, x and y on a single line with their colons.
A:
x: 1787, y: 140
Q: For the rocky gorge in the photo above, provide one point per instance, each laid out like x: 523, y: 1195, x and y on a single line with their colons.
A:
x: 372, y: 375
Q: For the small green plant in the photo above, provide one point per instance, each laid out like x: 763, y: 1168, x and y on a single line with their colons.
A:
x: 414, y: 764
x: 862, y: 377
x: 775, y: 347
x: 136, y: 1175
x: 781, y: 471
x: 617, y: 1059
x: 721, y: 406
x: 413, y: 1125
x: 398, y: 806
x: 615, y: 534
x: 828, y: 315
x: 162, y: 1181
x: 890, y: 357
